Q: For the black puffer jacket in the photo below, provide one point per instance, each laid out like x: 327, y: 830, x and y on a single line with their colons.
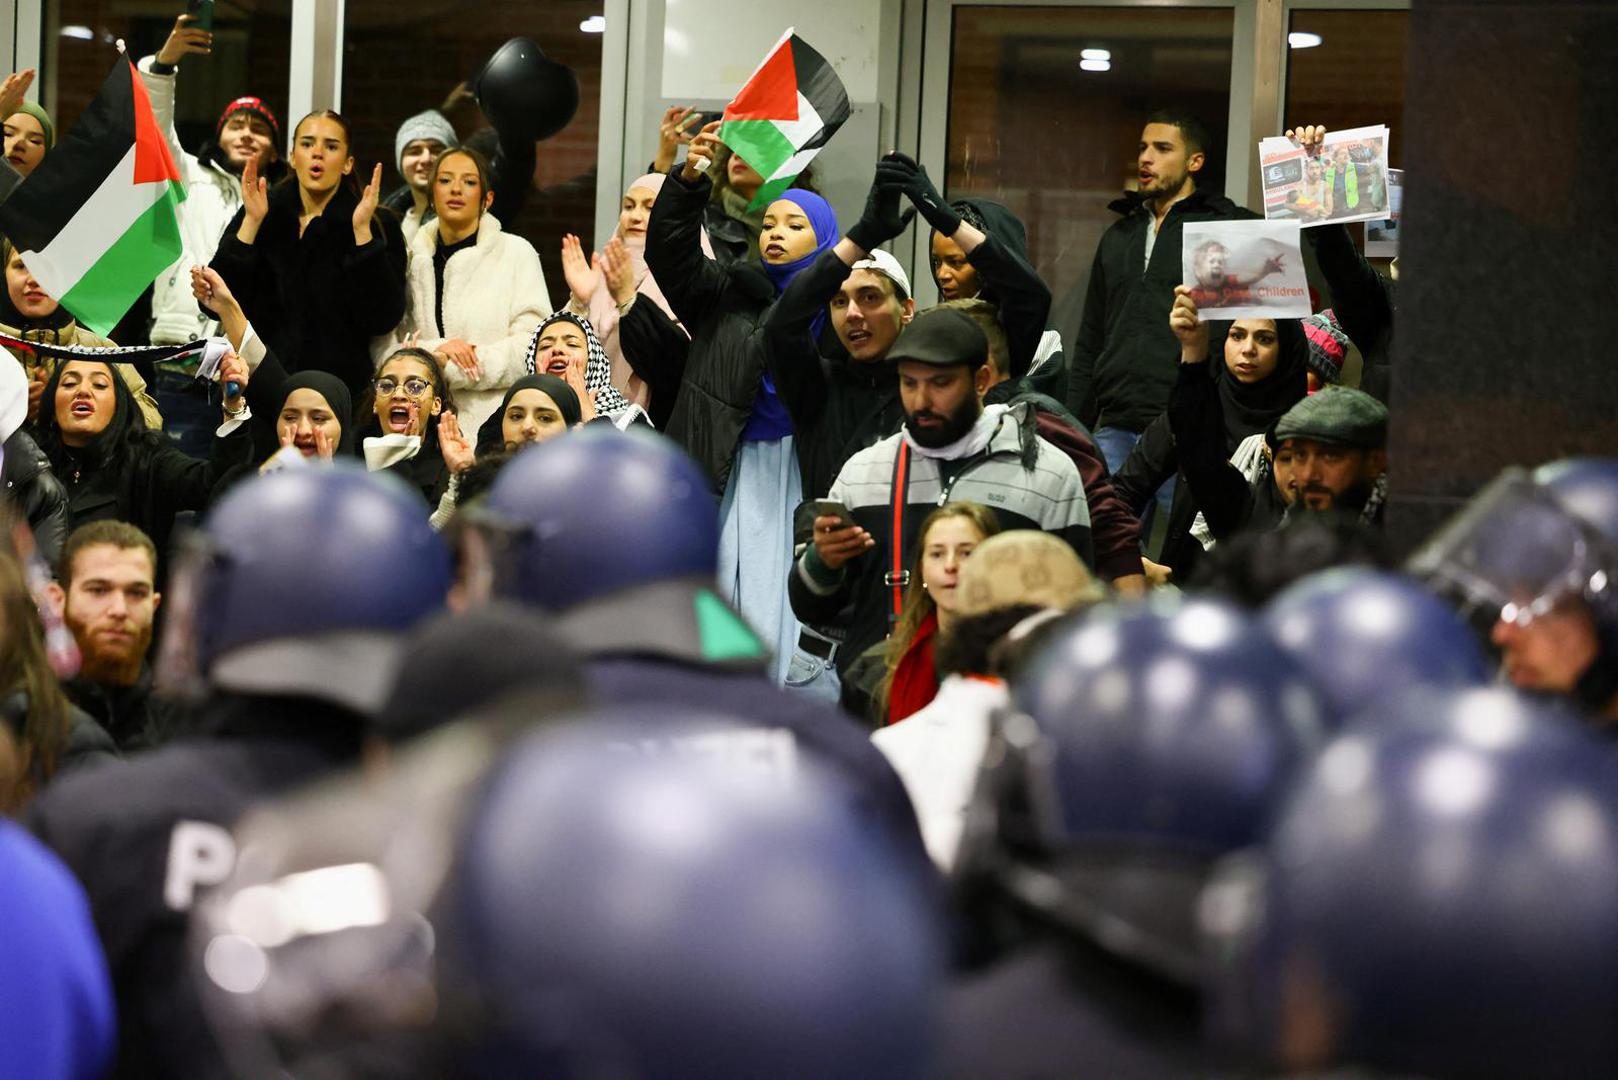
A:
x: 36, y: 492
x: 1123, y: 363
x: 724, y: 309
x: 318, y: 299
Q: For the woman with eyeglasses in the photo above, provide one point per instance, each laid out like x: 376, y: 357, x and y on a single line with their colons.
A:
x: 407, y: 402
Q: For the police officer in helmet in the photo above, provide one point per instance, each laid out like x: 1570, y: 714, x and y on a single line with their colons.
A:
x: 1533, y: 562
x: 633, y: 891
x: 1144, y: 743
x: 288, y: 614
x: 616, y: 535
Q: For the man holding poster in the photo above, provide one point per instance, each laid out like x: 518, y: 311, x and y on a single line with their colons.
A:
x: 1246, y: 269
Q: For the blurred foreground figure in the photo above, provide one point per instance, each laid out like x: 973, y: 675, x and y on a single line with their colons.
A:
x: 1364, y: 634
x: 288, y: 614
x: 1144, y: 743
x: 56, y: 1017
x: 616, y: 536
x: 632, y: 893
x: 1533, y: 562
x: 1438, y: 898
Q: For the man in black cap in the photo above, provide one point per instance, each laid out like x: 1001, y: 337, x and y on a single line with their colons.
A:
x: 1329, y: 456
x: 951, y: 449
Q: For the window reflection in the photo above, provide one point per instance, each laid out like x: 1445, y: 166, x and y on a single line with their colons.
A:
x: 1043, y: 122
x: 403, y: 56
x: 1355, y: 76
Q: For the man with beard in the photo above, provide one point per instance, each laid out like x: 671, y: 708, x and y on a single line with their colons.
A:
x: 1330, y: 457
x: 1122, y: 363
x: 951, y: 448
x: 108, y: 597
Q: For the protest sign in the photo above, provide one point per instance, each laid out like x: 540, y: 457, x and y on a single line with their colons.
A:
x: 1382, y: 237
x: 1245, y: 269
x: 1346, y: 181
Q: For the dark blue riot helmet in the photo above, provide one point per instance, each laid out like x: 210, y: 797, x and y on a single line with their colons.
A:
x: 1146, y: 741
x: 1361, y: 634
x: 652, y: 896
x: 1531, y: 545
x: 1438, y: 897
x: 304, y: 581
x: 597, y: 512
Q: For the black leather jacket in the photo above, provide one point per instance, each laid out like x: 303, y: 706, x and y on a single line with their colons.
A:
x: 36, y: 493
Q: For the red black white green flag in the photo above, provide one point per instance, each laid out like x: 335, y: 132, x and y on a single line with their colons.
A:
x: 97, y: 221
x: 790, y: 107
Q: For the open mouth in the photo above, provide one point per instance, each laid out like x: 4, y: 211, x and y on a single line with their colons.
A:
x: 82, y: 408
x: 556, y: 365
x: 858, y: 337
x: 316, y: 172
x: 399, y: 418
x: 774, y: 251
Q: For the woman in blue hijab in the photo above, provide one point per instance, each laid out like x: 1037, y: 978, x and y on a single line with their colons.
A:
x: 727, y: 414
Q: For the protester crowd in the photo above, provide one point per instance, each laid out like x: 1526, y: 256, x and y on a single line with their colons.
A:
x: 742, y: 672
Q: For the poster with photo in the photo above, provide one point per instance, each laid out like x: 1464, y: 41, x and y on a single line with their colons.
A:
x: 1347, y: 180
x: 1382, y: 237
x: 1245, y: 269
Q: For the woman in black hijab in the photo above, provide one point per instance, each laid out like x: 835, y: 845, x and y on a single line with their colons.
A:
x: 535, y: 409
x: 1218, y: 411
x: 316, y: 416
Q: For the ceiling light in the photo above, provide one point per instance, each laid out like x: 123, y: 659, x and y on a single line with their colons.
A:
x: 79, y: 33
x: 595, y: 24
x: 1302, y: 39
x: 1095, y: 54
x: 1095, y: 65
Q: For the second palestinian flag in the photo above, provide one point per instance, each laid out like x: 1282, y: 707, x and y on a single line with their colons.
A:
x: 98, y: 220
x: 789, y: 109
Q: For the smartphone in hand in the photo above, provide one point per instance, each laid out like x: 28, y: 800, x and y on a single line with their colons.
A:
x: 833, y: 508
x: 202, y: 12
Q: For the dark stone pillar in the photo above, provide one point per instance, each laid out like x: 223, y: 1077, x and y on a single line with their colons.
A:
x: 1507, y: 332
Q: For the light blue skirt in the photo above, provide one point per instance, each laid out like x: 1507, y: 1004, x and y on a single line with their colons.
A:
x: 755, y: 543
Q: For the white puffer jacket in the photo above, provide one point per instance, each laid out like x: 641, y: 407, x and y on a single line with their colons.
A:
x: 494, y: 298
x: 212, y: 197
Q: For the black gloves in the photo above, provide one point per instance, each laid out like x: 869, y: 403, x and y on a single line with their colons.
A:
x: 881, y: 220
x: 896, y: 172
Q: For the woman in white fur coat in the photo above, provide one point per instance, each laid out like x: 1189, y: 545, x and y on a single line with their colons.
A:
x: 477, y: 293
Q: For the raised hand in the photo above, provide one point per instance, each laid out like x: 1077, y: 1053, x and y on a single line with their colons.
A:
x: 233, y: 369
x: 1310, y: 138
x: 462, y: 354
x: 1188, y: 327
x: 671, y: 132
x: 580, y: 275
x: 619, y: 269
x: 699, y: 156
x: 898, y: 172
x: 185, y: 40
x: 38, y: 376
x: 255, y: 202
x: 367, y: 207
x: 458, y: 454
x: 210, y: 289
x: 881, y: 220
x: 13, y: 90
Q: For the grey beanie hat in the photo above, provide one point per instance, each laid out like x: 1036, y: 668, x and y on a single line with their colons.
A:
x: 431, y: 124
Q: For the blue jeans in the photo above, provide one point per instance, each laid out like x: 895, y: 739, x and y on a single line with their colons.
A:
x: 1115, y: 445
x: 813, y: 677
x: 190, y: 414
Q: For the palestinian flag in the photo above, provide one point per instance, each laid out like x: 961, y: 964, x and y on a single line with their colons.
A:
x: 97, y: 221
x: 791, y: 107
